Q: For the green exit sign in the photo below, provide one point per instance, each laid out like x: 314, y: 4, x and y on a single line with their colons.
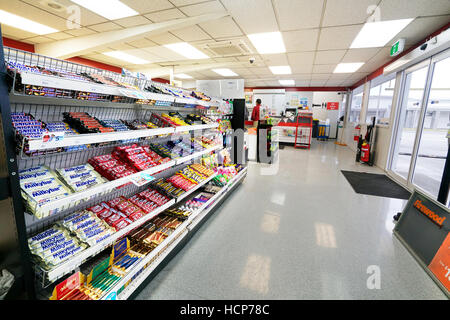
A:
x: 397, y: 47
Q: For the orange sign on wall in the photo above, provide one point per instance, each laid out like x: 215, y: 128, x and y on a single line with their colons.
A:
x: 440, y: 265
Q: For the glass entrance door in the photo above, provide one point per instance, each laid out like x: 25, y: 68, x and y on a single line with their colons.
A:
x: 408, y: 120
x: 420, y: 146
x: 433, y: 144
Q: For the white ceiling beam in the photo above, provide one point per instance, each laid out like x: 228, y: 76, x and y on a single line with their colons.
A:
x: 64, y: 49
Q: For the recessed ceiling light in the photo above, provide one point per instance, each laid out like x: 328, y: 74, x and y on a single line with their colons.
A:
x: 186, y: 50
x: 347, y: 67
x: 286, y: 82
x: 378, y: 34
x: 125, y: 57
x: 24, y: 24
x: 183, y: 76
x: 280, y: 69
x: 110, y: 9
x: 225, y: 72
x: 269, y: 42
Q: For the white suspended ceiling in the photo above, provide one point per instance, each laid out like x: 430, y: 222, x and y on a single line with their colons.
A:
x: 317, y: 34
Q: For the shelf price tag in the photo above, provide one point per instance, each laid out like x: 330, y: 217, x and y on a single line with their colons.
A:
x: 112, y: 296
x: 142, y: 179
x: 49, y: 137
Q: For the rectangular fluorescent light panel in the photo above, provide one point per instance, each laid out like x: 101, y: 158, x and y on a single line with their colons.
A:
x: 267, y: 43
x: 286, y: 82
x: 125, y: 57
x: 225, y: 72
x: 18, y: 22
x: 348, y: 67
x: 378, y: 34
x: 110, y: 9
x: 183, y: 76
x: 280, y: 69
x: 186, y: 50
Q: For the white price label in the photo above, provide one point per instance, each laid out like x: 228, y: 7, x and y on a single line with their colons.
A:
x: 48, y: 137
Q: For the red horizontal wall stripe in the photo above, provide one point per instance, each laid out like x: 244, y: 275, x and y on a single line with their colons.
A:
x: 301, y: 88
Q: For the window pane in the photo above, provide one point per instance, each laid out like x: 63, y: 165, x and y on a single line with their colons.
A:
x: 433, y: 142
x: 355, y: 108
x: 380, y: 102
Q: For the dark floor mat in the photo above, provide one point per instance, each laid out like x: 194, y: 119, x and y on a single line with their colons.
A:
x: 375, y: 185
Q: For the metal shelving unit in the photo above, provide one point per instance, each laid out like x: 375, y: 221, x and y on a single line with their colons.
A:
x: 119, y: 103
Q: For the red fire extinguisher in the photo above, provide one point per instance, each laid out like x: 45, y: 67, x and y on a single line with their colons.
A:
x: 365, y: 152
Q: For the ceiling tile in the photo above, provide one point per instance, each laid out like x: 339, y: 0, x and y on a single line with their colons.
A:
x: 253, y: 16
x: 193, y: 33
x: 59, y: 36
x: 299, y: 76
x: 142, y: 43
x: 120, y: 46
x: 334, y: 38
x: 203, y: 8
x: 298, y: 14
x: 145, y: 6
x: 132, y: 21
x: 243, y: 71
x: 340, y: 76
x: 360, y: 55
x: 179, y: 3
x: 333, y: 83
x: 317, y: 83
x: 261, y: 71
x: 345, y: 12
x: 164, y: 38
x: 382, y: 57
x: 321, y: 76
x: 276, y: 59
x: 329, y: 57
x: 16, y: 33
x: 420, y: 28
x: 221, y: 28
x: 301, y: 40
x: 165, y: 15
x: 39, y: 39
x: 87, y: 17
x: 226, y: 59
x: 402, y: 9
x: 324, y: 68
x: 301, y: 62
x: 34, y: 13
x: 80, y: 32
x: 107, y: 26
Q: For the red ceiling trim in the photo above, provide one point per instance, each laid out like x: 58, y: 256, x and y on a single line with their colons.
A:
x: 300, y: 88
x: 95, y: 64
x: 7, y: 42
x: 380, y: 70
x: 161, y: 80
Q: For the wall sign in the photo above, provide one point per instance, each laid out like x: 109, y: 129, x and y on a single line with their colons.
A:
x: 424, y: 228
x: 332, y: 105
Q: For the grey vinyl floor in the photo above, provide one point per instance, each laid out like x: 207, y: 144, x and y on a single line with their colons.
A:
x: 300, y: 232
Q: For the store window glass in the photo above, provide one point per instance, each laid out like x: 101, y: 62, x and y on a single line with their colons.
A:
x: 380, y: 102
x: 433, y: 145
x: 355, y: 106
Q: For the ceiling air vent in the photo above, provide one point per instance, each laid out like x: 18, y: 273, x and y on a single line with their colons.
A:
x: 227, y: 48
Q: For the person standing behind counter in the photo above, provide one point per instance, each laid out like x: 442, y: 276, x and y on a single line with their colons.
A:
x: 256, y: 111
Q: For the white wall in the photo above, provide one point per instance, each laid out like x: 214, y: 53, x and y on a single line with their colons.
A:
x: 320, y: 97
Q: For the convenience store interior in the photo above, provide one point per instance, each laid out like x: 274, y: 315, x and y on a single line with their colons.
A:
x: 133, y: 166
